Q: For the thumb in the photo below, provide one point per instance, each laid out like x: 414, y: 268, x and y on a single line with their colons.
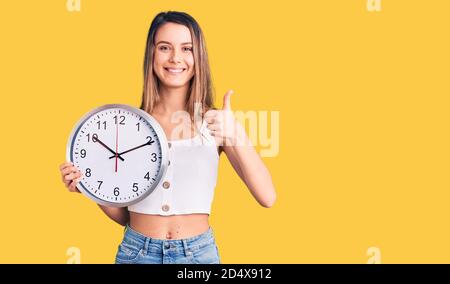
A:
x: 227, y: 100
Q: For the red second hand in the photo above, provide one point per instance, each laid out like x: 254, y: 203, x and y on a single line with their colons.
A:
x: 117, y: 142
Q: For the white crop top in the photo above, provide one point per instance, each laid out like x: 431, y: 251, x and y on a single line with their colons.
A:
x: 190, y: 180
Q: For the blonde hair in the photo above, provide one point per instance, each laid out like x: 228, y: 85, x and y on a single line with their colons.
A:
x: 200, y: 89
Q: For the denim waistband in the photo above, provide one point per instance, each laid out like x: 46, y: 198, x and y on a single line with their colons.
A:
x: 178, y: 245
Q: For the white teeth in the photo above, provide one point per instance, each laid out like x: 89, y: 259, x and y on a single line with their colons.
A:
x: 172, y: 70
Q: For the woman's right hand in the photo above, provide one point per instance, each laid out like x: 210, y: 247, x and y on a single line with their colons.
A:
x: 71, y: 176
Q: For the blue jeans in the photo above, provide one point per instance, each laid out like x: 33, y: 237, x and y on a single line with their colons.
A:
x: 139, y: 249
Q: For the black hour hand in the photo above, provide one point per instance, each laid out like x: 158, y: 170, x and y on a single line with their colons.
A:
x: 96, y: 140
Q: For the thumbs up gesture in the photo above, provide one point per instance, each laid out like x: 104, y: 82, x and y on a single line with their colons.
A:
x: 222, y: 124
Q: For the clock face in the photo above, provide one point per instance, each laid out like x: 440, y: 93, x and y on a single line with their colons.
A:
x: 121, y: 152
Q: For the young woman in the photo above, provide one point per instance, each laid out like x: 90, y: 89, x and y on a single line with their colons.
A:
x: 171, y: 224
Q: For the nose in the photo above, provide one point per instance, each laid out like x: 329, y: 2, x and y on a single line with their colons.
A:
x: 176, y: 58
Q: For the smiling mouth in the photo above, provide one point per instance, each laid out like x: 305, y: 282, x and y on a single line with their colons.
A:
x: 174, y: 70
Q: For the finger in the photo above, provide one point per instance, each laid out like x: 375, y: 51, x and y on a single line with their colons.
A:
x: 72, y: 176
x: 214, y: 127
x: 211, y: 113
x: 73, y: 185
x: 69, y: 170
x: 69, y: 177
x: 217, y: 119
x: 227, y: 100
x: 65, y: 165
x: 216, y: 133
x: 77, y: 176
x: 210, y: 120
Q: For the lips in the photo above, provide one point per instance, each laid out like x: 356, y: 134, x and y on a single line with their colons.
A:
x: 174, y: 70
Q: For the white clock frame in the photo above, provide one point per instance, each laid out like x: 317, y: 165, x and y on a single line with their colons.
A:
x: 163, y: 147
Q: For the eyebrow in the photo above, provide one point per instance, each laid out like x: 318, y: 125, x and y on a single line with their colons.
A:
x: 162, y: 41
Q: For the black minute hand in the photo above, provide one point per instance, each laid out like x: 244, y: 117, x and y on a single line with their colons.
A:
x: 132, y: 149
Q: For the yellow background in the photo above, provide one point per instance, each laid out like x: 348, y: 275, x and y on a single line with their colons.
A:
x: 363, y: 100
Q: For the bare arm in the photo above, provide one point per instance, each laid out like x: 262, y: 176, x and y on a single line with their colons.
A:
x: 251, y: 169
x: 119, y: 215
x: 240, y: 152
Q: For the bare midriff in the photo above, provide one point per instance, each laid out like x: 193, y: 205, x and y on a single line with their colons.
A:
x: 169, y: 227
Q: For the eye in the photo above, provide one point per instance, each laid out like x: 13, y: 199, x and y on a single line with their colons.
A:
x: 187, y: 49
x: 163, y: 47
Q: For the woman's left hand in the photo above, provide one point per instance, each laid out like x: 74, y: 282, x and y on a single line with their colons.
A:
x: 222, y: 123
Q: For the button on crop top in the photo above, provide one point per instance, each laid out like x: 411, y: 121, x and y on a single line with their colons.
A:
x: 190, y: 180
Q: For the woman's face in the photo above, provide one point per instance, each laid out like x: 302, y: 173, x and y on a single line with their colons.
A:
x: 173, y: 61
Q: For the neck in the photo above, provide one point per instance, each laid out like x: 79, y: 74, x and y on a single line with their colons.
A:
x: 172, y: 99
